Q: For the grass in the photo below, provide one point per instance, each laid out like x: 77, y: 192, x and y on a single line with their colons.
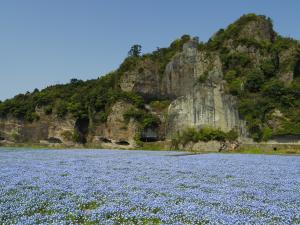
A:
x: 155, y: 146
x: 165, y: 146
x: 255, y: 150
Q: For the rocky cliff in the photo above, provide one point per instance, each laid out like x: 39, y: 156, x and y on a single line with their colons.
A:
x: 242, y: 84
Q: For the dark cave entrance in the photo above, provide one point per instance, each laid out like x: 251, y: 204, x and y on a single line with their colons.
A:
x: 82, y: 130
x: 122, y: 142
x: 1, y: 137
x: 149, y: 135
x: 297, y: 69
x: 105, y: 140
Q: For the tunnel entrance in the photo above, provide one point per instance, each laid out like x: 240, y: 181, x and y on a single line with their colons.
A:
x: 82, y: 130
x: 149, y: 135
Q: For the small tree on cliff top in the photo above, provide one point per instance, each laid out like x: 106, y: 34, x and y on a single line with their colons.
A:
x: 135, y: 50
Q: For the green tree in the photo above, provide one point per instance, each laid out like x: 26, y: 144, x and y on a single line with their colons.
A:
x: 255, y: 79
x: 61, y: 108
x: 268, y: 68
x: 135, y: 50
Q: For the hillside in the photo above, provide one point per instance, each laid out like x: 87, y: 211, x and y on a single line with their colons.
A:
x: 243, y: 83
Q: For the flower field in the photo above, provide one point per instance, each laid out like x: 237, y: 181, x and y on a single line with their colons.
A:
x: 143, y: 187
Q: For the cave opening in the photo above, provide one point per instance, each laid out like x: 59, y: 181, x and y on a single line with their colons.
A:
x: 54, y: 140
x: 105, y: 140
x: 82, y: 129
x: 297, y: 69
x: 149, y: 135
x: 122, y: 142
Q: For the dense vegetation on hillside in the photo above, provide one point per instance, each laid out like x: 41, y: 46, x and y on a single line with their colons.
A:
x: 265, y: 78
x: 260, y: 86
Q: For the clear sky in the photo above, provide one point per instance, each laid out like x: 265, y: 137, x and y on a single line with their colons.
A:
x: 45, y: 42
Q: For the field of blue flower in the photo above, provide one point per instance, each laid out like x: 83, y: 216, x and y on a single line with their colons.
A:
x: 143, y: 187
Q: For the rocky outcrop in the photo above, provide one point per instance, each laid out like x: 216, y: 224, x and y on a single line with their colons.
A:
x: 144, y: 79
x: 211, y: 146
x: 205, y: 106
x: 45, y: 130
x: 259, y: 29
x: 116, y: 131
x: 289, y: 60
x: 187, y: 68
x: 195, y: 78
x: 180, y: 74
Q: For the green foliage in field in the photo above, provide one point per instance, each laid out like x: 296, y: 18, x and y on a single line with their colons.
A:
x: 205, y: 134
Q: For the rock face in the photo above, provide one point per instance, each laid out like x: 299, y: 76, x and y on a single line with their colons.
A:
x: 180, y: 74
x: 116, y: 131
x: 290, y: 60
x: 205, y: 106
x: 46, y: 129
x: 211, y: 146
x: 199, y: 104
x: 196, y: 103
x: 144, y: 80
x: 260, y: 30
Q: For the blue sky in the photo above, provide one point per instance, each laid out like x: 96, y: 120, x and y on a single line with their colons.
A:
x: 44, y: 42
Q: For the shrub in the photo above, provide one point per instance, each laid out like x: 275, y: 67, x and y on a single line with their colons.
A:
x: 235, y: 87
x: 236, y: 59
x: 255, y: 80
x: 268, y: 68
x: 232, y: 135
x: 267, y: 133
x: 203, y: 78
x: 76, y: 137
x: 48, y: 110
x: 160, y: 105
x: 68, y: 135
x: 273, y: 88
x: 230, y: 75
x: 30, y: 117
x: 102, y: 116
x: 61, y: 109
x: 205, y: 134
x: 145, y: 119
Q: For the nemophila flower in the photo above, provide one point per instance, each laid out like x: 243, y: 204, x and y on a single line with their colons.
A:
x: 141, y: 187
